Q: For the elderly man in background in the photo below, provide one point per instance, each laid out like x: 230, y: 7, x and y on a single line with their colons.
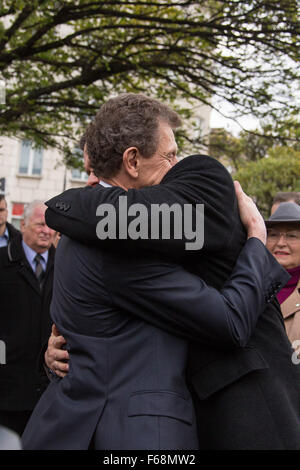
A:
x: 7, y: 230
x: 26, y: 277
x: 283, y: 241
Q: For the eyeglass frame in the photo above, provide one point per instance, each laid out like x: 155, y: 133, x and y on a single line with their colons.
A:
x: 285, y: 235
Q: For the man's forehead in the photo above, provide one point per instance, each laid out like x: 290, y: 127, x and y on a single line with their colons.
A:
x: 165, y: 127
x: 38, y: 212
x: 166, y: 132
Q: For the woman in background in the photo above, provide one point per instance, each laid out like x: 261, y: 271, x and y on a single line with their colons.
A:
x: 283, y: 241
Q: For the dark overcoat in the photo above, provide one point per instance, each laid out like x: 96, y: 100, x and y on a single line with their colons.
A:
x: 24, y: 327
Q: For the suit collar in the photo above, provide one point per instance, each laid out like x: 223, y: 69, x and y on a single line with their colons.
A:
x: 15, y: 251
x: 104, y: 184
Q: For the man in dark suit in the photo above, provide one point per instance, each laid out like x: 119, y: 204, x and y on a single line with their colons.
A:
x: 25, y: 293
x: 246, y: 398
x: 121, y: 399
x: 7, y: 230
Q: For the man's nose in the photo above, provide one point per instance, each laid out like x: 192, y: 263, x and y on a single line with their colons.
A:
x: 282, y: 240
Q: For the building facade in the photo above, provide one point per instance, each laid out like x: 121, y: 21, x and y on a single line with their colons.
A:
x: 28, y: 173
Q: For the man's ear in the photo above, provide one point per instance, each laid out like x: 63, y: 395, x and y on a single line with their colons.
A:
x: 131, y: 162
x: 22, y: 225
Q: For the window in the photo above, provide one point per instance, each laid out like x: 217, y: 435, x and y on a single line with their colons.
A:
x: 76, y: 173
x: 31, y: 159
x: 79, y: 175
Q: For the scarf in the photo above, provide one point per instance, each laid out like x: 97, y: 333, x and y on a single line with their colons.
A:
x: 290, y: 286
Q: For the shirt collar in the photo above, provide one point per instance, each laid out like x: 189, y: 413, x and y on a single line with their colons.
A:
x: 4, y: 239
x: 30, y: 253
x: 104, y: 184
x: 5, y: 234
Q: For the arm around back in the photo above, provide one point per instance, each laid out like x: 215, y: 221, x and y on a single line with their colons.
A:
x: 173, y: 299
x: 195, y: 180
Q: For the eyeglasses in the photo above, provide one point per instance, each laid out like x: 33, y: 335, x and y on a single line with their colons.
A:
x: 290, y: 237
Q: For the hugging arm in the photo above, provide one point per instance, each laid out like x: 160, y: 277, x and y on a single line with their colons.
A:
x: 175, y: 300
x: 170, y: 298
x: 197, y: 179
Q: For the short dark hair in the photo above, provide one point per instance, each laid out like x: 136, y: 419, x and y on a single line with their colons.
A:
x: 129, y: 120
x: 287, y: 196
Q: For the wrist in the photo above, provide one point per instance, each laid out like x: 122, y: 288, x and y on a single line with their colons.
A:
x: 261, y: 234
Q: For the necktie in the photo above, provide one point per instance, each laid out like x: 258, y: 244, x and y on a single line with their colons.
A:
x: 39, y: 272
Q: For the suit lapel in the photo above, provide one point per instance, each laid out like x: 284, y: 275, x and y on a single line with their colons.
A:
x: 26, y: 272
x: 16, y: 255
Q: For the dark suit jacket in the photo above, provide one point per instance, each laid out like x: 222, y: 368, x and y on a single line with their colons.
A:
x: 24, y: 327
x: 246, y: 398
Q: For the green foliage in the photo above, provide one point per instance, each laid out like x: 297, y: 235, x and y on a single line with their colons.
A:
x: 224, y: 146
x: 262, y: 179
x: 61, y: 59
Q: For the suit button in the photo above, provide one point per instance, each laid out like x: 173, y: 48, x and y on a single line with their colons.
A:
x: 277, y: 287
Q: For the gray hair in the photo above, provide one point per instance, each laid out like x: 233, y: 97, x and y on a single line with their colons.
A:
x: 29, y: 209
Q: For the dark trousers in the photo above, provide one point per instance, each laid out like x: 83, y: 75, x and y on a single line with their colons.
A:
x: 15, y: 420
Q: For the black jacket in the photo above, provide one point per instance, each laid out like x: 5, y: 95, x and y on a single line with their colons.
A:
x: 246, y: 398
x: 12, y: 231
x: 24, y: 327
